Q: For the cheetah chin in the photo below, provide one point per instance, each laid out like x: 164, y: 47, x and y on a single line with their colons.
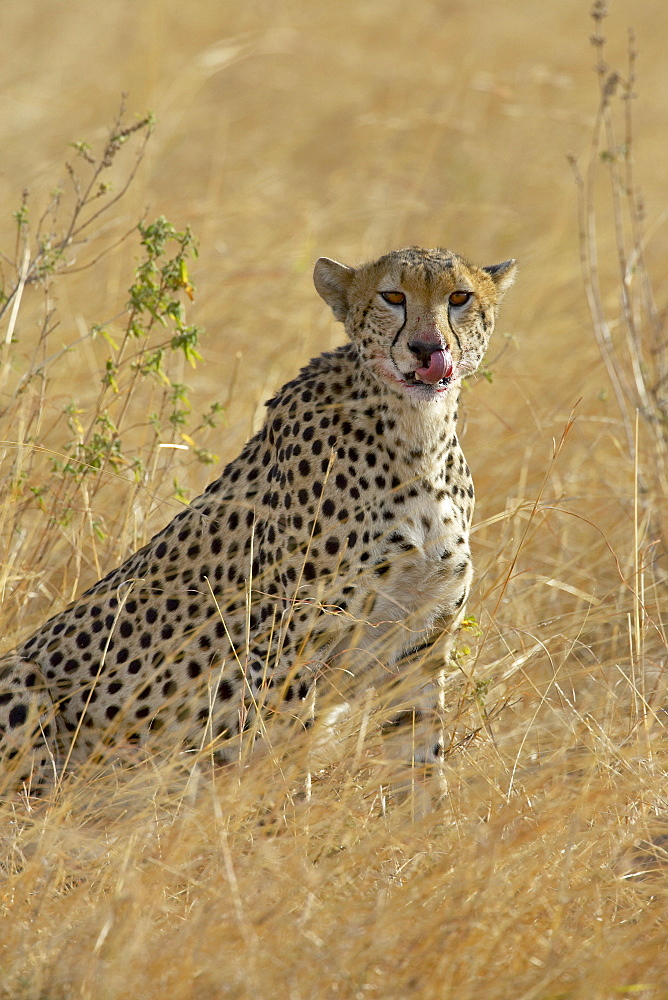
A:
x: 413, y: 379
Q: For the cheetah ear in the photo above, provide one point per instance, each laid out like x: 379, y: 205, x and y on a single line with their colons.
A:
x: 503, y: 275
x: 332, y: 281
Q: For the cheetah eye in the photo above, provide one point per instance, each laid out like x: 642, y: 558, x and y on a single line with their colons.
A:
x: 459, y: 298
x: 394, y: 298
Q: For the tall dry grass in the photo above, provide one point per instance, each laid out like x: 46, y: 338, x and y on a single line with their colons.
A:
x: 284, y: 132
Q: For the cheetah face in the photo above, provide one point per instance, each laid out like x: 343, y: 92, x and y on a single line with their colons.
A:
x: 421, y: 319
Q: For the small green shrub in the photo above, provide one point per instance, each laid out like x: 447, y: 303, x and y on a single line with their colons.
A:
x: 64, y: 450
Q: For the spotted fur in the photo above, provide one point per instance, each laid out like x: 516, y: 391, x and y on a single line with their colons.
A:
x: 338, y: 538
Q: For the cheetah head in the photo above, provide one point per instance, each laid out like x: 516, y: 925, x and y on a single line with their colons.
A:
x: 421, y: 319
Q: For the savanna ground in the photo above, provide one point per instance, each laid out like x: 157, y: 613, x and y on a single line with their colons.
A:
x: 285, y: 131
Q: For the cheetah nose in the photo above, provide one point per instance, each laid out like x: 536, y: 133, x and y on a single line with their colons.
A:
x: 424, y: 349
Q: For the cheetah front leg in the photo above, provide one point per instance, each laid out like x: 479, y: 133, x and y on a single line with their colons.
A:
x: 414, y: 730
x: 27, y: 725
x: 407, y: 688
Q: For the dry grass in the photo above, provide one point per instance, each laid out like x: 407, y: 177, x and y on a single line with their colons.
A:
x: 286, y: 131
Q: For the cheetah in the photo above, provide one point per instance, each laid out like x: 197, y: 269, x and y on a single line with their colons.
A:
x: 337, y: 541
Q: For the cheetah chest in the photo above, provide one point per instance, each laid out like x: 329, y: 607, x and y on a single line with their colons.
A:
x: 427, y: 555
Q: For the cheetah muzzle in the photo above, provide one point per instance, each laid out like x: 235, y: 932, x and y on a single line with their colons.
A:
x: 334, y: 546
x: 436, y: 365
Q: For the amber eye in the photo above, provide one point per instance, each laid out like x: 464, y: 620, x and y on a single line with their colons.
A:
x: 394, y: 298
x: 459, y: 298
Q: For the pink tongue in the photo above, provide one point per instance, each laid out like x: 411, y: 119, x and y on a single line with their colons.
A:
x: 440, y: 366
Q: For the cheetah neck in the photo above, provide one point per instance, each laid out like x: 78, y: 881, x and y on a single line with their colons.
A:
x: 418, y: 435
x: 424, y: 437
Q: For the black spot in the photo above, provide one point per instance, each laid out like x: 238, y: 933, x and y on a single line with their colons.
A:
x: 310, y: 572
x: 18, y: 715
x: 225, y: 690
x: 83, y: 640
x: 126, y: 629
